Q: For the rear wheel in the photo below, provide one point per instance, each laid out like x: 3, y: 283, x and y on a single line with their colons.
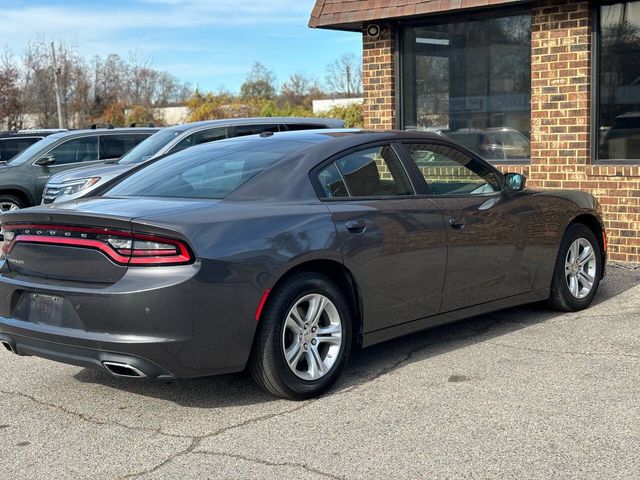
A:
x: 304, y: 338
x: 9, y: 203
x: 578, y: 270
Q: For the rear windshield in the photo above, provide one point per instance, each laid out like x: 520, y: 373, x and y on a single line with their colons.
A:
x: 207, y: 171
x: 148, y: 148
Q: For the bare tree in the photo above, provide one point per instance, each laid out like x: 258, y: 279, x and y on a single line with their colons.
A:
x: 260, y: 83
x: 10, y: 105
x: 295, y: 89
x: 343, y: 76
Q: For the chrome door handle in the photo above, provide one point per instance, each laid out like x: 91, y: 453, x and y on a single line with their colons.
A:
x: 356, y: 226
x: 456, y: 223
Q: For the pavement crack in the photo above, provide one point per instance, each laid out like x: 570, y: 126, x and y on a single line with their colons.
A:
x: 195, y: 441
x: 564, y: 352
x: 88, y: 418
x: 259, y: 461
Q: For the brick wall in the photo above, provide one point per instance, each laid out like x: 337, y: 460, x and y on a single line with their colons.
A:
x: 560, y: 123
x: 378, y: 79
x: 560, y: 117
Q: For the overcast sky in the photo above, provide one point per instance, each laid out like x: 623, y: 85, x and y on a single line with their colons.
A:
x: 209, y: 43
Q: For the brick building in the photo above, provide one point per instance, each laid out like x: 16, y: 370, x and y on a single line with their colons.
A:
x: 547, y: 88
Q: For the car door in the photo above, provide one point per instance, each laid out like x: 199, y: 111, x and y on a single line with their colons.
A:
x: 392, y: 240
x: 72, y: 153
x: 486, y: 228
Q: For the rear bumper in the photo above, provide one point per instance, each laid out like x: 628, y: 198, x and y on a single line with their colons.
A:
x: 84, y: 357
x: 179, y: 324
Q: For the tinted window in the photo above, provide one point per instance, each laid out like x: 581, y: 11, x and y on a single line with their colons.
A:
x: 10, y: 147
x: 450, y: 172
x: 114, y: 146
x: 242, y: 130
x: 203, y: 136
x: 75, y: 151
x: 152, y: 145
x: 302, y: 126
x: 374, y: 172
x: 468, y: 76
x: 331, y: 182
x: 619, y: 81
x: 204, y: 172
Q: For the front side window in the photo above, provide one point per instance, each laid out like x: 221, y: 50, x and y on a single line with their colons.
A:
x: 78, y: 150
x: 373, y: 172
x: 619, y: 82
x: 448, y: 171
x: 203, y: 136
x: 471, y: 80
x: 114, y: 146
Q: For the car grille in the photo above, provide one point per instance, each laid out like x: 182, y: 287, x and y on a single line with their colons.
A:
x: 50, y: 193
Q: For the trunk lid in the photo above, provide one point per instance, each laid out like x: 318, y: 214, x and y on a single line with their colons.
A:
x: 83, y: 241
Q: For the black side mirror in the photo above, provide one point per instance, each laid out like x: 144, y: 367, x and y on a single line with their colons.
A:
x: 46, y: 160
x: 514, y: 182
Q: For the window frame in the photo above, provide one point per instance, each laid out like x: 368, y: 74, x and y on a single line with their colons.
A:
x: 418, y: 189
x: 596, y: 36
x: 499, y: 177
x: 401, y: 57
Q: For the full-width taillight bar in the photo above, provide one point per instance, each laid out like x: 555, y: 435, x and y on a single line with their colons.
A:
x: 121, y: 246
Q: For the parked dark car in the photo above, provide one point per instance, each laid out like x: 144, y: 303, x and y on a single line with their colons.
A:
x: 22, y: 178
x: 280, y: 251
x: 80, y: 182
x: 12, y: 143
x: 494, y: 143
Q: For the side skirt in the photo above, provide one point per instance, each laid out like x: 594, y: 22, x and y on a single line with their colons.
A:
x: 384, y: 334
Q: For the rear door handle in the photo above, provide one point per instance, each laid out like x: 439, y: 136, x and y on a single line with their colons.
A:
x: 456, y: 223
x: 356, y: 226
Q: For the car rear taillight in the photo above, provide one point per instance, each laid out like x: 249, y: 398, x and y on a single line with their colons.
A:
x: 122, y: 247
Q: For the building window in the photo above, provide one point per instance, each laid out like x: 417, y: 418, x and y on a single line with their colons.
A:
x: 618, y: 82
x: 470, y: 78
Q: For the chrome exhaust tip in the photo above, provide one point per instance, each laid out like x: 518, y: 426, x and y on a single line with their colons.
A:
x: 7, y: 345
x: 123, y: 370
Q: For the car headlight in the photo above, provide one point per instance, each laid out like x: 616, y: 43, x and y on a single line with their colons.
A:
x: 75, y: 186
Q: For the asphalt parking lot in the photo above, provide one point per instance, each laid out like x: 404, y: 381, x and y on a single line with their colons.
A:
x: 523, y: 393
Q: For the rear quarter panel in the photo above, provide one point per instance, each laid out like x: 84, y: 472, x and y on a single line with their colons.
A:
x: 244, y: 249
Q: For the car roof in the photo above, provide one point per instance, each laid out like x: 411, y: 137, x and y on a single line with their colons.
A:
x: 29, y: 133
x: 227, y: 122
x: 98, y: 131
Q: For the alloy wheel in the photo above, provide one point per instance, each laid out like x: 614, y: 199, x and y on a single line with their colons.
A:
x: 8, y: 207
x: 312, y: 337
x: 580, y: 268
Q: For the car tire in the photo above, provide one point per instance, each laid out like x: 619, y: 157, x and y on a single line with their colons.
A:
x: 578, y: 270
x: 9, y: 202
x: 296, y: 354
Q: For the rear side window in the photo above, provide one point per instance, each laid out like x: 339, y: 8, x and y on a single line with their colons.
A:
x: 114, y: 146
x: 302, y: 126
x: 242, y: 130
x: 204, y: 172
x: 373, y: 172
x: 203, y: 136
x: 10, y: 147
x: 77, y: 150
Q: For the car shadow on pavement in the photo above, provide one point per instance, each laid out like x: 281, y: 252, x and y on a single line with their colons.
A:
x: 364, y: 365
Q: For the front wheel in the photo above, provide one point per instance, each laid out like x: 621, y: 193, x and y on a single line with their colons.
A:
x: 304, y: 338
x: 578, y: 270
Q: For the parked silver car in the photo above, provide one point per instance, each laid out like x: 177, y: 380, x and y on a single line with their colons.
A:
x: 80, y: 182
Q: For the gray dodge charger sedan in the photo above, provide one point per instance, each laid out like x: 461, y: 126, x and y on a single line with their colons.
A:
x: 280, y: 252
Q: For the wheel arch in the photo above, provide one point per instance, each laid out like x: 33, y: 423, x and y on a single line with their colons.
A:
x: 18, y: 192
x: 344, y: 280
x: 596, y: 226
